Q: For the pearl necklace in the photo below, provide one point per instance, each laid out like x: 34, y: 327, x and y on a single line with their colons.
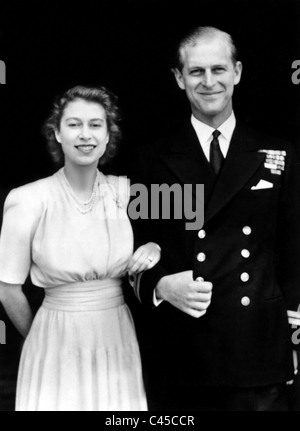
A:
x: 82, y: 207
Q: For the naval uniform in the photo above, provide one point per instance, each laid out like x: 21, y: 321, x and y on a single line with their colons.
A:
x: 248, y: 248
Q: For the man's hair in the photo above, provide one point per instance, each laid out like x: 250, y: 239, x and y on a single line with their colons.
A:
x: 192, y: 38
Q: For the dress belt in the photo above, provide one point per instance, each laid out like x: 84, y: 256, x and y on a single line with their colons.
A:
x: 85, y: 296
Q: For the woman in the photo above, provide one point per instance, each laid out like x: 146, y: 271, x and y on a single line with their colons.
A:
x: 72, y: 233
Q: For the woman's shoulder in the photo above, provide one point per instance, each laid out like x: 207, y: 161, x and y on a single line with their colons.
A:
x: 32, y: 193
x: 121, y: 181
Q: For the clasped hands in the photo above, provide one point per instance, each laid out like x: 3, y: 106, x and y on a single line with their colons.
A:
x: 191, y: 296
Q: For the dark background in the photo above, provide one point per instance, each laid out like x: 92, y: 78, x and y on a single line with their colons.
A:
x: 127, y: 45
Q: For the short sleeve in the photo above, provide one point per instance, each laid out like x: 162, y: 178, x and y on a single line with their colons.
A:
x: 20, y: 218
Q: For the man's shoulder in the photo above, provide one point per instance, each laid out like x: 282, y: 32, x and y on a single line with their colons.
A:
x: 164, y: 143
x: 259, y: 137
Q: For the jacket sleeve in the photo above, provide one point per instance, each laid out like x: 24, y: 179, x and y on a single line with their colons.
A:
x: 145, y: 230
x: 288, y: 232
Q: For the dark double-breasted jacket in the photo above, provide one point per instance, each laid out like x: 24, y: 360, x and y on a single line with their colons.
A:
x: 248, y: 247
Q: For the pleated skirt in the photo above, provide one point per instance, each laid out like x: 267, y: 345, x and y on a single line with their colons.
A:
x: 81, y: 353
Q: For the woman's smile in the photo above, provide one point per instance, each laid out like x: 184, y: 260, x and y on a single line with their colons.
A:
x: 85, y: 148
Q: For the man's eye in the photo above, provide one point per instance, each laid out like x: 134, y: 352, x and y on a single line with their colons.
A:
x: 219, y: 69
x: 195, y: 72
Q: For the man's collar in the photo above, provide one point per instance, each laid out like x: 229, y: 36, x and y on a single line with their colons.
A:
x: 204, y: 130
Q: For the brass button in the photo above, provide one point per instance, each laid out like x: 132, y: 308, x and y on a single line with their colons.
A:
x: 201, y: 234
x: 247, y: 230
x: 201, y: 257
x: 245, y: 277
x: 245, y: 253
x: 245, y: 301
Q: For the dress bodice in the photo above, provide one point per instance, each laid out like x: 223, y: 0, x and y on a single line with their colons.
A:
x: 45, y: 233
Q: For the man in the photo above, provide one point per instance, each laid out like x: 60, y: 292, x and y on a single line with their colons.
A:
x: 220, y: 294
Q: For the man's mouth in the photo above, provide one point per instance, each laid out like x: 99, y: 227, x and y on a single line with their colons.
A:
x: 210, y: 94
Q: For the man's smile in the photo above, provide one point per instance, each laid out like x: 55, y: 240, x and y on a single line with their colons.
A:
x: 209, y: 94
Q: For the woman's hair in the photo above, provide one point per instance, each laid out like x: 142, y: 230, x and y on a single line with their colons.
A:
x: 100, y: 95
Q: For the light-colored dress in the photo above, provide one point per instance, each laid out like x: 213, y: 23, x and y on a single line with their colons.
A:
x: 81, y: 352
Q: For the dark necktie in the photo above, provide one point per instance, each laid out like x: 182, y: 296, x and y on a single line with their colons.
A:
x: 215, y: 154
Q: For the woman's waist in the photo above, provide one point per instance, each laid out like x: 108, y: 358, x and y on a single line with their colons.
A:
x: 85, y: 296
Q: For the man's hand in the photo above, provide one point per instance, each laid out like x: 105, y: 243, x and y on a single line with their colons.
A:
x: 181, y: 291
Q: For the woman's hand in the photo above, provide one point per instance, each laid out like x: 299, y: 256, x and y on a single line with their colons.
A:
x: 145, y: 257
x: 16, y: 306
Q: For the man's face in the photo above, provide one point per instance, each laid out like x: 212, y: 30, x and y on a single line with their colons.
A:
x: 208, y: 78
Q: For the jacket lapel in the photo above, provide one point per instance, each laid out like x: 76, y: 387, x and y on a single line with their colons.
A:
x: 187, y: 161
x: 241, y: 163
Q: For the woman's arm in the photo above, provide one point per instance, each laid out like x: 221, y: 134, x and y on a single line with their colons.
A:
x: 145, y: 257
x: 16, y: 306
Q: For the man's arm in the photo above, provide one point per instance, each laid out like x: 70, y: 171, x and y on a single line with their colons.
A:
x: 288, y: 232
x: 179, y: 289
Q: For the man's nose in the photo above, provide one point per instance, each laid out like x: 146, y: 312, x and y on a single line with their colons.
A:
x: 208, y: 79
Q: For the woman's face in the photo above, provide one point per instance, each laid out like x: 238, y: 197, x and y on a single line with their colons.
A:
x: 83, y: 132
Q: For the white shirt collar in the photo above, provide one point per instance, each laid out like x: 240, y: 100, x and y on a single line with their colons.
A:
x: 204, y: 133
